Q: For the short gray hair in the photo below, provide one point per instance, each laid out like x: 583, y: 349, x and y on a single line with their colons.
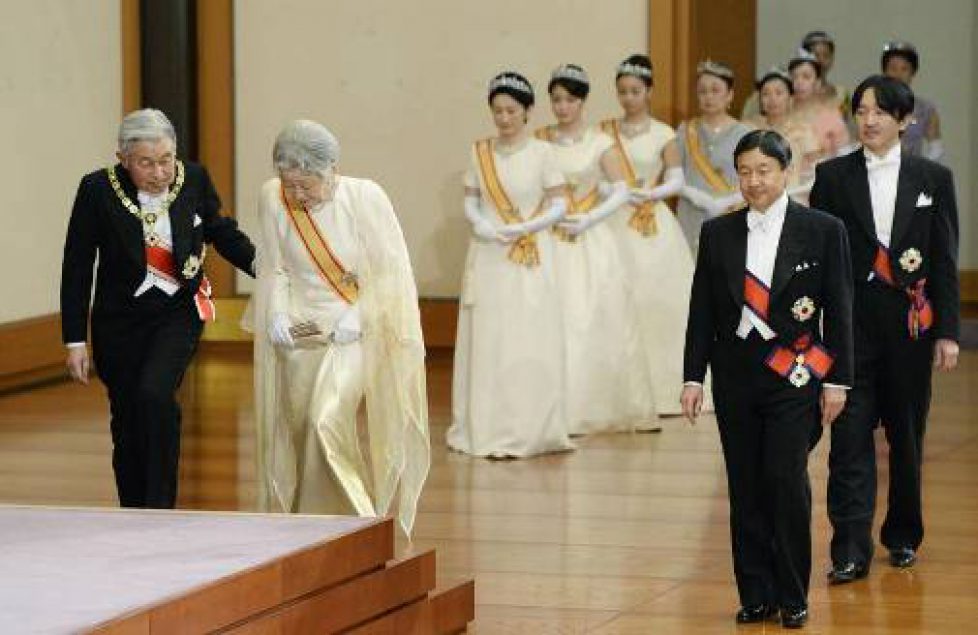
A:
x: 147, y: 124
x: 306, y: 146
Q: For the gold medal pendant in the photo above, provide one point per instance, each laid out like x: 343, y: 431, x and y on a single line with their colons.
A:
x: 150, y: 218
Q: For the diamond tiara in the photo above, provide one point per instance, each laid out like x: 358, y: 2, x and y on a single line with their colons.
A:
x: 508, y: 81
x: 709, y: 67
x: 626, y: 68
x: 566, y: 71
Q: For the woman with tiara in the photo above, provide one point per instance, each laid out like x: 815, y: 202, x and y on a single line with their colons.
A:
x: 607, y: 380
x: 815, y: 107
x: 659, y: 265
x: 508, y: 382
x: 775, y: 89
x: 922, y: 136
x: 706, y: 145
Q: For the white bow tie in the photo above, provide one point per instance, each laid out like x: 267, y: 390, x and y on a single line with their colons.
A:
x: 875, y: 163
x: 757, y: 220
x: 150, y: 201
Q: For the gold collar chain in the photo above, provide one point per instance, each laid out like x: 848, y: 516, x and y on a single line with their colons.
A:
x: 148, y: 218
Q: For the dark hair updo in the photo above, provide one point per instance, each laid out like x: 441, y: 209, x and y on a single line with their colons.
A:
x: 513, y: 84
x: 906, y: 50
x: 892, y: 96
x: 769, y: 142
x: 812, y: 38
x: 637, y: 65
x: 571, y: 78
x: 776, y: 74
x: 804, y: 56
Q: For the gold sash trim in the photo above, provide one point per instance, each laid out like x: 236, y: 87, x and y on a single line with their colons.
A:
x: 701, y: 162
x: 524, y: 250
x: 643, y: 216
x: 577, y: 206
x: 544, y: 134
x: 329, y: 266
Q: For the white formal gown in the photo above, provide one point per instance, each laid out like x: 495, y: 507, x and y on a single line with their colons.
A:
x: 508, y: 381
x: 607, y: 386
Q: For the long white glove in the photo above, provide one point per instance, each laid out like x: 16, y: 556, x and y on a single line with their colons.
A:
x: 723, y: 203
x: 934, y: 150
x: 278, y: 331
x: 481, y: 226
x: 347, y: 329
x: 713, y: 206
x: 802, y: 189
x: 672, y: 184
x: 554, y: 212
x: 579, y: 223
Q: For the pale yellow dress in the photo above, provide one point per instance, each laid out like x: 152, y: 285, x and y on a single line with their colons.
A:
x: 508, y: 378
x: 312, y: 458
x: 607, y: 383
x: 659, y: 272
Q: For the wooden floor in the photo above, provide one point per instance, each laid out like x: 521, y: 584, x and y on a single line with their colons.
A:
x: 626, y: 535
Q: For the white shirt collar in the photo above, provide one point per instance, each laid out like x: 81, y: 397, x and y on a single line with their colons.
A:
x: 769, y: 218
x: 892, y: 156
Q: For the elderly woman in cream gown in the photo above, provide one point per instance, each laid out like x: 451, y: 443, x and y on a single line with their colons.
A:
x: 607, y: 378
x: 508, y: 381
x: 336, y: 326
x: 658, y: 260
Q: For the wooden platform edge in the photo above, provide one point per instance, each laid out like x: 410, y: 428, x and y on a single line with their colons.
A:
x: 446, y: 611
x: 265, y: 587
x: 349, y: 605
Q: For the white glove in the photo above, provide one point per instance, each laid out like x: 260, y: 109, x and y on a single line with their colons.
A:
x: 579, y: 223
x: 347, y: 329
x: 719, y: 205
x: 576, y: 225
x: 934, y: 149
x: 553, y: 213
x: 696, y: 196
x: 481, y: 226
x: 672, y: 183
x: 278, y: 331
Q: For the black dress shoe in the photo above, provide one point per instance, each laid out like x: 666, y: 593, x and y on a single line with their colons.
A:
x: 793, y: 617
x: 903, y: 557
x: 848, y: 572
x: 758, y: 613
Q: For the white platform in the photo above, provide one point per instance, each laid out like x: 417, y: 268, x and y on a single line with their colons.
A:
x: 97, y: 564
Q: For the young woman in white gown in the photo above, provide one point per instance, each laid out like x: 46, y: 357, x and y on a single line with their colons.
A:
x: 607, y: 383
x: 508, y: 381
x: 657, y: 258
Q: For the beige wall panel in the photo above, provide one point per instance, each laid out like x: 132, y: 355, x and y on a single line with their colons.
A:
x: 60, y: 99
x: 402, y: 84
x: 943, y: 31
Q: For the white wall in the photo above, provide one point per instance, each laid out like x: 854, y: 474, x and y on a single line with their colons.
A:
x: 60, y: 102
x: 944, y: 32
x: 403, y: 86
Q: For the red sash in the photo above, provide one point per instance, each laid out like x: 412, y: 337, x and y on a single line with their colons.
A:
x: 159, y: 260
x: 920, y: 315
x: 804, y: 357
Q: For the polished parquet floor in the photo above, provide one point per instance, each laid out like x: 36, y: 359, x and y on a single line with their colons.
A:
x: 626, y: 535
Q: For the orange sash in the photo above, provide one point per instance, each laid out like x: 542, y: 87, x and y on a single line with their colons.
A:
x: 713, y: 177
x: 159, y: 260
x: 524, y: 250
x: 804, y: 357
x: 920, y: 315
x: 329, y: 266
x: 643, y: 216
